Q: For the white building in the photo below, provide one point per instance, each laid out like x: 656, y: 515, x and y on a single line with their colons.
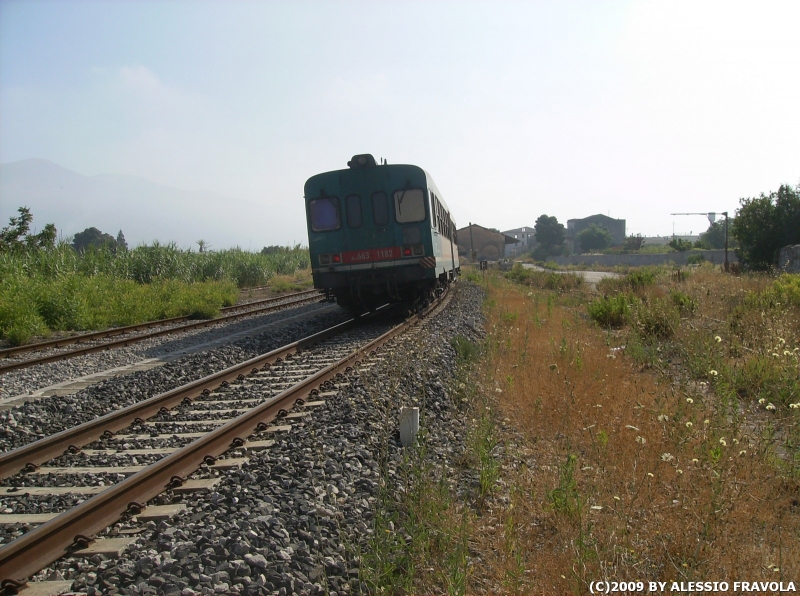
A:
x: 526, y: 237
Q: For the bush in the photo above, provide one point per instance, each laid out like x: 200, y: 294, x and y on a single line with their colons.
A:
x: 641, y: 278
x: 684, y: 303
x: 19, y: 321
x: 656, y: 319
x: 611, y: 311
x: 466, y: 351
x: 635, y: 280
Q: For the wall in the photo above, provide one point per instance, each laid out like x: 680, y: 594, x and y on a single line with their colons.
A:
x: 678, y: 258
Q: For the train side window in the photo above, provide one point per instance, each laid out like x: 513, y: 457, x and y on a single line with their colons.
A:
x: 380, y: 210
x: 433, y: 209
x: 409, y: 205
x: 353, y: 206
x: 324, y: 214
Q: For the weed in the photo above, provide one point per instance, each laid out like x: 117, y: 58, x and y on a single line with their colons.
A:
x: 685, y: 304
x: 610, y: 311
x: 655, y: 319
x: 466, y: 351
x: 564, y: 497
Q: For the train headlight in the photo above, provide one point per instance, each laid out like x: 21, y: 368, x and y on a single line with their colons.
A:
x: 324, y: 259
x: 336, y: 258
x: 406, y: 251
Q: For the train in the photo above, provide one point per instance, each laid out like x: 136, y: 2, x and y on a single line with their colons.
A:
x: 379, y: 233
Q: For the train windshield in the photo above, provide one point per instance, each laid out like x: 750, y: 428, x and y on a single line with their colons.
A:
x: 409, y: 205
x: 324, y: 214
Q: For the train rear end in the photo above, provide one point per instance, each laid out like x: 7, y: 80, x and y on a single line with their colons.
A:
x: 370, y: 236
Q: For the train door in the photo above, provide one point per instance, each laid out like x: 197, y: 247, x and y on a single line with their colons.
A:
x: 382, y: 237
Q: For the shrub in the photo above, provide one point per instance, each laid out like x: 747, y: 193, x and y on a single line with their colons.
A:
x: 610, y: 311
x: 641, y: 278
x: 656, y: 319
x: 684, y: 302
x: 466, y: 351
x: 19, y: 321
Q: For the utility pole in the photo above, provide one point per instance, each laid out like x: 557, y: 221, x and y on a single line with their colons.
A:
x: 471, y: 243
x: 711, y: 217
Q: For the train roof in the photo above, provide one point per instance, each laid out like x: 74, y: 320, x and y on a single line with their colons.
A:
x: 366, y: 161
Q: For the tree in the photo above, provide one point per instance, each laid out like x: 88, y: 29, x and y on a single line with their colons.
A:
x: 680, y: 244
x: 13, y: 235
x: 93, y: 237
x: 714, y: 236
x: 594, y: 238
x: 549, y: 233
x: 765, y: 224
x: 633, y: 243
x: 17, y: 237
x: 274, y: 249
x: 122, y: 245
x: 202, y: 245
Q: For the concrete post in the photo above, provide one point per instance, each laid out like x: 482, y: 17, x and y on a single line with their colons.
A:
x: 409, y: 425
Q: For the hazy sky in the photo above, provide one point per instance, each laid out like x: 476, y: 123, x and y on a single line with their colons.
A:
x: 517, y: 109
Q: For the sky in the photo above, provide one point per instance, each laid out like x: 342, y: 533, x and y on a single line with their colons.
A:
x: 633, y: 109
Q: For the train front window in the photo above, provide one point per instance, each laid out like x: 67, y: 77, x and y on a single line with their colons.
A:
x: 409, y: 205
x: 324, y: 214
x: 353, y: 204
x: 380, y: 211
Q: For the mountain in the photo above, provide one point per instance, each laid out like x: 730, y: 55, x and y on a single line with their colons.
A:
x: 143, y: 210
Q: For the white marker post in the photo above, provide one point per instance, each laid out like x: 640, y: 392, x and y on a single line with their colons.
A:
x: 409, y: 425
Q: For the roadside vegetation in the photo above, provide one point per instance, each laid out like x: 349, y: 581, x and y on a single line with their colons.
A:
x: 650, y: 430
x: 50, y: 286
x: 757, y: 231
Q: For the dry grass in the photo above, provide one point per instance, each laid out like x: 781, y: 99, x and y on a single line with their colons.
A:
x: 654, y: 462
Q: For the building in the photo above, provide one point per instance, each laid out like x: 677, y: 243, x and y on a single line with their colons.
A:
x: 527, y: 240
x: 489, y: 245
x: 576, y: 226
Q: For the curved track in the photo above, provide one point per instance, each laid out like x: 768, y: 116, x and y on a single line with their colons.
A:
x: 75, y: 528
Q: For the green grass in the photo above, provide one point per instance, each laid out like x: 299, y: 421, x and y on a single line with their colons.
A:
x: 149, y: 263
x: 610, y: 311
x: 73, y: 302
x: 58, y: 289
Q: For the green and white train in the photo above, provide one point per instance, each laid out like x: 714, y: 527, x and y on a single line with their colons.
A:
x: 379, y: 233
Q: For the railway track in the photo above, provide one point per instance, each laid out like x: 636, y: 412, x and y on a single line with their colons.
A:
x: 244, y: 310
x: 220, y: 416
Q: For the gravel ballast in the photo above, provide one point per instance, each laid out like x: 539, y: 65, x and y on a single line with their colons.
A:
x: 295, y: 517
x: 33, y: 420
x: 27, y: 380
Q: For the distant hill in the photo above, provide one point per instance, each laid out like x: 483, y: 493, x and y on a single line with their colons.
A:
x: 143, y: 210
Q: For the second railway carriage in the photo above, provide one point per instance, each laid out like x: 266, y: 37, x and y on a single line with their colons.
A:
x: 379, y: 233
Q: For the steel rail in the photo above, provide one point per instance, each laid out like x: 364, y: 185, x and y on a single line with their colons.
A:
x: 56, y: 538
x: 33, y: 454
x: 76, y: 339
x: 131, y: 340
